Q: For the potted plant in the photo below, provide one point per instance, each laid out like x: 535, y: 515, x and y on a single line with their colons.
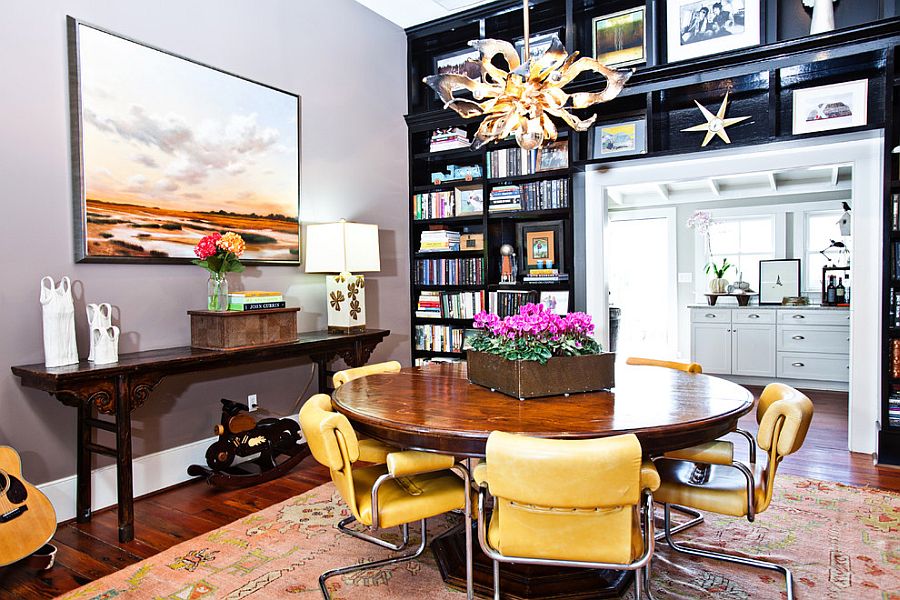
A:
x: 219, y: 254
x: 719, y: 284
x: 537, y: 353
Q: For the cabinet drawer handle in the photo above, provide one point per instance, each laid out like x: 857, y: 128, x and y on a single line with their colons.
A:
x: 799, y: 317
x: 798, y: 337
x: 752, y: 316
x: 710, y: 316
x: 797, y: 365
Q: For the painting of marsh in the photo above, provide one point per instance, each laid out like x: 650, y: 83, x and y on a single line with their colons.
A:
x: 172, y: 150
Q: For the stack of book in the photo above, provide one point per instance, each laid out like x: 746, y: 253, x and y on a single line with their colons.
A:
x: 440, y: 240
x: 452, y: 305
x: 449, y: 139
x: 545, y: 276
x: 505, y: 197
x: 255, y: 300
x: 894, y: 409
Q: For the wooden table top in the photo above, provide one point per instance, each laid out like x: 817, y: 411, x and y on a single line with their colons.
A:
x: 437, y: 409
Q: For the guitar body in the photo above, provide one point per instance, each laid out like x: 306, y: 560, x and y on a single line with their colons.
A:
x: 27, y: 519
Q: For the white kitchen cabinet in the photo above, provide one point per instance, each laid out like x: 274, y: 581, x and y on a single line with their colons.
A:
x: 753, y: 350
x: 711, y: 346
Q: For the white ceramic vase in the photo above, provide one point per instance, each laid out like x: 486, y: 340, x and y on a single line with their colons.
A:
x: 106, y: 344
x: 822, y: 17
x: 59, y: 323
x: 718, y: 285
x: 99, y: 317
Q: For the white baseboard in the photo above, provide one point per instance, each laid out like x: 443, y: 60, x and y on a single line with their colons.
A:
x: 152, y: 472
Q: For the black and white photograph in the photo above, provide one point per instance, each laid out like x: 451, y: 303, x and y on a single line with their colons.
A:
x: 703, y: 27
x: 537, y: 45
x: 778, y: 279
x: 828, y: 107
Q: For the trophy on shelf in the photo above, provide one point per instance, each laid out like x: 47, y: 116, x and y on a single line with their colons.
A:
x: 508, y: 265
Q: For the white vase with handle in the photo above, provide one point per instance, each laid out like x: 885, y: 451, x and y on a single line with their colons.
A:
x: 106, y: 344
x: 822, y: 17
x: 59, y: 323
x: 99, y: 317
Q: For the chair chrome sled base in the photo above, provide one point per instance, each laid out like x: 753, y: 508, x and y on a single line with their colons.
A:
x: 750, y: 562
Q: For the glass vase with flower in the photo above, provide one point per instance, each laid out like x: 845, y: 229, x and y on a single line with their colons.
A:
x: 219, y: 254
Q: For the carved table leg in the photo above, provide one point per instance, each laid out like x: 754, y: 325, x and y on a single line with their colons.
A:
x: 83, y: 465
x: 124, y: 487
x: 322, y: 373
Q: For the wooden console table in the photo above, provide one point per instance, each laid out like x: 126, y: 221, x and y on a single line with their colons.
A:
x: 118, y: 388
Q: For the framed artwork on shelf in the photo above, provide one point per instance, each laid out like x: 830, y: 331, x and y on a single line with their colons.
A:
x: 166, y: 150
x: 541, y: 245
x: 778, y: 279
x: 622, y: 138
x: 537, y: 45
x: 554, y: 156
x: 619, y: 38
x: 461, y: 62
x: 698, y: 28
x: 469, y: 200
x: 828, y: 107
x: 556, y: 302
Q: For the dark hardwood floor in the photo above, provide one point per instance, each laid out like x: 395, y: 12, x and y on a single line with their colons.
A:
x: 89, y: 551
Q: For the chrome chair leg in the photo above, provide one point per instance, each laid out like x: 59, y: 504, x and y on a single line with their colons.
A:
x: 750, y: 562
x: 496, y: 580
x: 696, y: 519
x: 371, y: 565
x: 467, y: 478
x: 342, y: 526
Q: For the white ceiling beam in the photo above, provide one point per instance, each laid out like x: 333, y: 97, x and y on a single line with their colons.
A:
x: 663, y: 191
x: 714, y: 187
x: 834, y: 176
x: 773, y: 183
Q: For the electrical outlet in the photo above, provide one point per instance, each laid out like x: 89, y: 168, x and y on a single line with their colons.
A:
x: 252, y: 402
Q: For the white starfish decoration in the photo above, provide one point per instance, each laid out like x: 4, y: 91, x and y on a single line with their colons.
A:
x: 715, y: 123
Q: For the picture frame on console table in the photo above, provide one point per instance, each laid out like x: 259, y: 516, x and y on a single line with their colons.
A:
x: 696, y: 28
x: 166, y: 150
x: 778, y: 279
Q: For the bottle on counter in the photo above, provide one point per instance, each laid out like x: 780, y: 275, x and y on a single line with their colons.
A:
x: 840, y: 292
x: 831, y: 292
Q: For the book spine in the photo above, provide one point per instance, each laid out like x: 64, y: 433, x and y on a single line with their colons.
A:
x: 255, y: 306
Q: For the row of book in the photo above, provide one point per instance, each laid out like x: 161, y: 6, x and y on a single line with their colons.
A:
x: 441, y: 338
x: 895, y: 309
x: 441, y: 240
x: 511, y: 162
x: 449, y: 305
x: 454, y: 203
x: 895, y: 262
x: 448, y: 139
x: 508, y: 302
x: 450, y: 271
x: 545, y: 276
x: 255, y: 300
x: 895, y: 212
x: 894, y: 409
x: 536, y: 195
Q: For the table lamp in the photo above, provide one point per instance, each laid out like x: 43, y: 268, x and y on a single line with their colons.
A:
x: 340, y: 249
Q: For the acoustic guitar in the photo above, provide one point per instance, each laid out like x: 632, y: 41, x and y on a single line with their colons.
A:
x: 27, y: 519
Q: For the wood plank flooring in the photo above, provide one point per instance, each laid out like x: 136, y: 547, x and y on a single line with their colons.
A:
x: 91, y: 550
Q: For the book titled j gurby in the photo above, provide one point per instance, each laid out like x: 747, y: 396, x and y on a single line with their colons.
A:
x: 255, y: 300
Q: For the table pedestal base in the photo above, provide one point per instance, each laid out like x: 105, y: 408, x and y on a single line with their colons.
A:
x: 521, y: 582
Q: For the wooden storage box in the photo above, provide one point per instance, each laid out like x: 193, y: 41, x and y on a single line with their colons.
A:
x: 530, y: 379
x: 471, y: 241
x: 238, y: 329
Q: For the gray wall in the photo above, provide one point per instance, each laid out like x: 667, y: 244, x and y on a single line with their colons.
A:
x: 349, y: 67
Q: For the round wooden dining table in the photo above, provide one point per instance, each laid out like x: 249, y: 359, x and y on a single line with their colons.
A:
x: 436, y: 409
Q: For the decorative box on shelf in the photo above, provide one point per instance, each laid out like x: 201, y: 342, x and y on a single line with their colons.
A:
x: 530, y: 379
x: 229, y: 330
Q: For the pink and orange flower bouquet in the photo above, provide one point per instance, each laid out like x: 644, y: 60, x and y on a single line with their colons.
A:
x: 219, y: 254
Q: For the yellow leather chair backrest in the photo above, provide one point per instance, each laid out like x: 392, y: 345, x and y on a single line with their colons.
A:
x: 669, y: 364
x: 570, y: 499
x: 332, y: 442
x: 342, y: 377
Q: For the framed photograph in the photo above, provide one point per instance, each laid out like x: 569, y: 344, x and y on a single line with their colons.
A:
x: 828, y: 107
x: 469, y: 200
x: 554, y: 156
x: 537, y: 45
x: 778, y: 279
x: 541, y: 245
x: 461, y: 62
x: 556, y: 302
x: 624, y: 138
x: 166, y: 150
x: 619, y: 38
x: 696, y: 28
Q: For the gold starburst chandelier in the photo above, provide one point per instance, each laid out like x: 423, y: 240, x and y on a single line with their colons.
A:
x: 522, y: 100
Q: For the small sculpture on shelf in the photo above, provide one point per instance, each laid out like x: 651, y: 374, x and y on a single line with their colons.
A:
x: 99, y: 318
x: 105, y: 343
x: 58, y: 313
x: 508, y: 265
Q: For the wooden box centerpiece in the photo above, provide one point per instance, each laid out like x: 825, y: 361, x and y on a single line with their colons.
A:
x: 232, y: 329
x: 538, y: 353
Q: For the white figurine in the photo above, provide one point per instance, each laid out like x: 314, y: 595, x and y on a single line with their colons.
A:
x: 59, y: 323
x: 822, y: 17
x: 99, y: 317
x: 106, y: 344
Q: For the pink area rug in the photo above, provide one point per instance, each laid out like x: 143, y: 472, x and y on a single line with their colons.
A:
x: 842, y: 542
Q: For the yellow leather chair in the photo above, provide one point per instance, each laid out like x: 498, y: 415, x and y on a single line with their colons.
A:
x: 371, y: 451
x: 571, y: 503
x: 669, y: 364
x: 411, y: 486
x: 733, y: 488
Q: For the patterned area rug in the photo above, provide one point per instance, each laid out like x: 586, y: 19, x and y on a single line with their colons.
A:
x: 842, y: 542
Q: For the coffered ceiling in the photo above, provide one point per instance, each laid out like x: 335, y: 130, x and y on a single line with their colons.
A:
x: 407, y: 13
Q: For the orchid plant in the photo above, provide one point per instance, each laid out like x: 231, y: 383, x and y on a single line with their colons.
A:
x: 535, y: 334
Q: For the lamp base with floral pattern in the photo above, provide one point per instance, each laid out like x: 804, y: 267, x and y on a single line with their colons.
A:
x: 346, y: 303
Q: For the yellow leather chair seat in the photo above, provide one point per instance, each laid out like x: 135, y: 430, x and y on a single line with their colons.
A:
x: 373, y: 451
x: 719, y: 452
x: 725, y: 492
x: 400, y: 500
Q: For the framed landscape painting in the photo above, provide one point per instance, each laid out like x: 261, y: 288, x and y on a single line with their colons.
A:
x: 619, y: 38
x: 166, y: 150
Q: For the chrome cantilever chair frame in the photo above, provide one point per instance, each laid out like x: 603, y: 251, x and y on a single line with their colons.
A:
x: 459, y: 469
x: 641, y: 565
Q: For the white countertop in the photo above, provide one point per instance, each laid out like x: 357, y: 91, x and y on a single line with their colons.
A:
x: 721, y: 304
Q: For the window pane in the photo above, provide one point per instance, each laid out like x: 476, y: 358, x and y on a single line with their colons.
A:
x: 724, y: 237
x: 757, y: 234
x: 814, y: 264
x: 821, y: 228
x: 750, y: 268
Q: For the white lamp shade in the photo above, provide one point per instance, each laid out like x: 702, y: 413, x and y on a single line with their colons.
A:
x: 342, y: 247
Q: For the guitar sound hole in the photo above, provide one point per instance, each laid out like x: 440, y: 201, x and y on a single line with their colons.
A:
x: 16, y: 492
